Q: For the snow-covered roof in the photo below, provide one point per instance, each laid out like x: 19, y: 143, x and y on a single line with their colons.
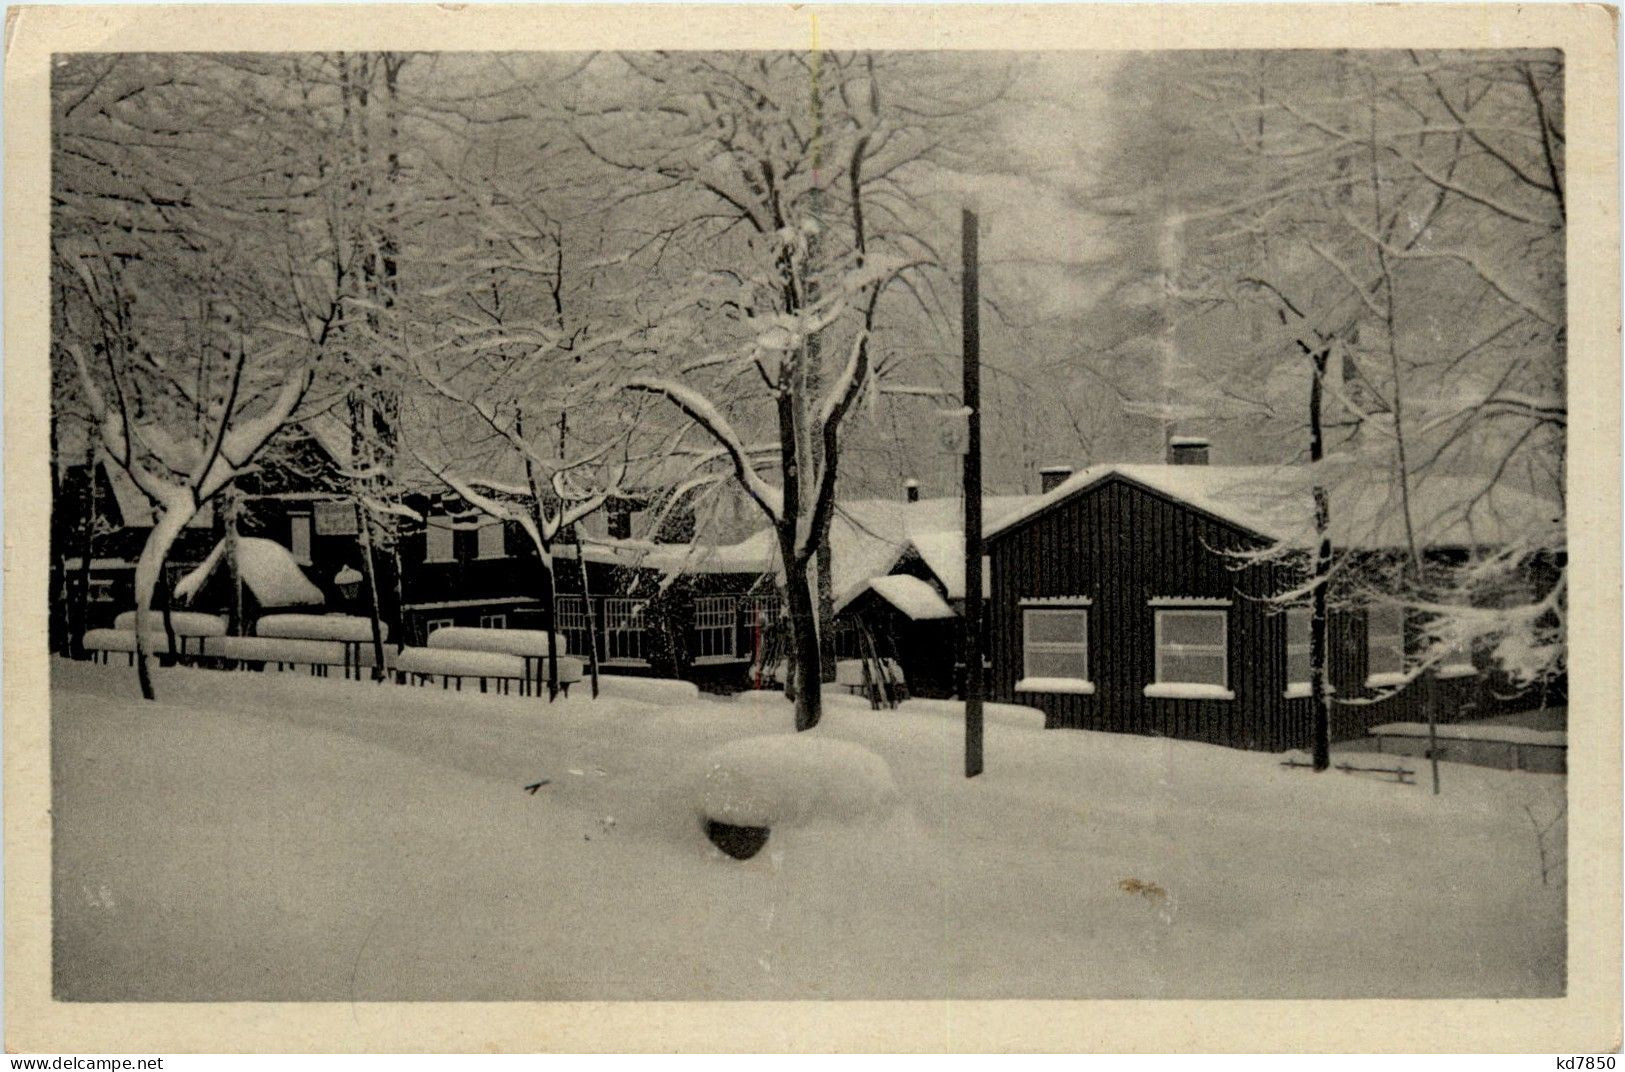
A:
x: 912, y: 596
x: 268, y: 570
x: 332, y: 434
x: 869, y: 536
x: 1276, y: 502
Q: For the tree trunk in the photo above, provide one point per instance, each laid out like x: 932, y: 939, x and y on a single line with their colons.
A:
x: 592, y: 618
x: 58, y: 629
x: 148, y: 570
x: 805, y: 675
x: 87, y: 548
x: 826, y: 611
x: 1320, y: 695
x: 235, y: 625
x: 549, y: 598
x: 363, y: 515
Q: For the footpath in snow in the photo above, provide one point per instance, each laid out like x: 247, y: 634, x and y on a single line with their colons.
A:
x: 279, y: 837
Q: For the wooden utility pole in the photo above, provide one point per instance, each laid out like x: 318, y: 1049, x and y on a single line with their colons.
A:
x: 970, y: 323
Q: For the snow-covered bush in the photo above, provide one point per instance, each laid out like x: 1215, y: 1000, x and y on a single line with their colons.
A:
x: 655, y: 690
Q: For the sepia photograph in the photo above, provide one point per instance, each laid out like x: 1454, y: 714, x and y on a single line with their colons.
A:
x: 854, y: 524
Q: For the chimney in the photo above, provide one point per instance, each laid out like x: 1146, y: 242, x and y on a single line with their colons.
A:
x: 1052, y: 476
x: 911, y: 490
x: 1187, y: 450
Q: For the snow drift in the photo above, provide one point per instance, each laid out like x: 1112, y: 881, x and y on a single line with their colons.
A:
x: 795, y: 780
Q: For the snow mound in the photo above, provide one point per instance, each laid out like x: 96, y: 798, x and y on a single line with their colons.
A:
x: 773, y: 694
x: 795, y: 780
x: 319, y: 627
x: 185, y: 623
x: 654, y: 690
x: 1029, y: 718
x: 532, y: 642
x: 267, y: 568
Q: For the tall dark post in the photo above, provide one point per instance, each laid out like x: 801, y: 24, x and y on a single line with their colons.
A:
x: 971, y: 325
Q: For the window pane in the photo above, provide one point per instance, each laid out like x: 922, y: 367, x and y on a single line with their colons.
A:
x: 300, y: 537
x: 1297, y: 667
x: 1056, y: 626
x: 1385, y: 657
x: 1386, y: 622
x: 1297, y: 627
x: 1192, y: 627
x: 439, y: 541
x: 493, y: 542
x: 1197, y: 669
x: 1057, y: 664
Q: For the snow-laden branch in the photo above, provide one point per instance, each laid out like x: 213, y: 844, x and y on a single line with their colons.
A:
x: 699, y: 409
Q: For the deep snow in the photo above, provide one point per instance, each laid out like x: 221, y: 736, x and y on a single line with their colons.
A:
x: 279, y: 837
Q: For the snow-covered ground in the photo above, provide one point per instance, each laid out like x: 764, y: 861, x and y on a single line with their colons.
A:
x: 278, y: 837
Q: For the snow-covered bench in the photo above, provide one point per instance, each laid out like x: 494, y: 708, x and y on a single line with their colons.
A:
x: 283, y: 652
x: 354, y: 633
x: 190, y: 629
x: 452, y: 665
x: 531, y: 645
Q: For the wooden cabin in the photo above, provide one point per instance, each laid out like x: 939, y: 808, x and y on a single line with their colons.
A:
x: 1123, y: 600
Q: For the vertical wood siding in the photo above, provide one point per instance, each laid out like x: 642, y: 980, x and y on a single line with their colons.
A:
x: 1121, y: 545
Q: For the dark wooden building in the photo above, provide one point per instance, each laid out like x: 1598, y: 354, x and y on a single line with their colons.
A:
x: 700, y: 612
x: 1124, y: 601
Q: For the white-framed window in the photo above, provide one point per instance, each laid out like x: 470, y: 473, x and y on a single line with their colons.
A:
x: 1193, y: 654
x: 299, y: 526
x: 571, y: 615
x: 1385, y: 645
x: 493, y: 540
x: 438, y: 623
x: 624, y: 630
x: 493, y: 621
x: 1055, y: 648
x: 716, y: 627
x: 762, y: 610
x: 1298, y: 623
x: 439, y: 542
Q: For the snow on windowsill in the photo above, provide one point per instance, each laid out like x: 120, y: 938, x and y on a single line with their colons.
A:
x: 1187, y: 690
x: 1072, y: 685
x: 1299, y: 690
